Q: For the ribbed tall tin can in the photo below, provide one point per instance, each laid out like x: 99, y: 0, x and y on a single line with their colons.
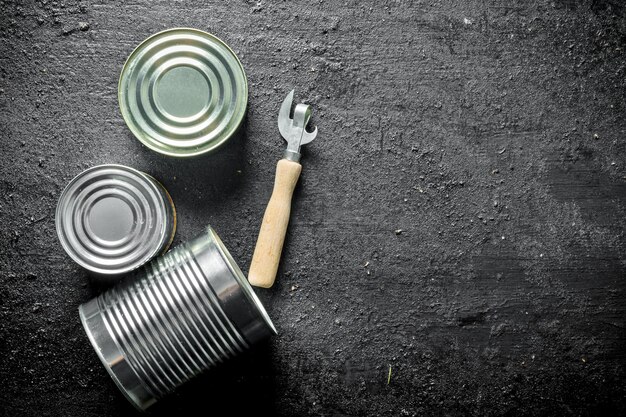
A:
x: 187, y: 311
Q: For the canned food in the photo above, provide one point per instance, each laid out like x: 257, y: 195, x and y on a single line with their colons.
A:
x: 184, y: 313
x: 112, y: 219
x: 183, y: 92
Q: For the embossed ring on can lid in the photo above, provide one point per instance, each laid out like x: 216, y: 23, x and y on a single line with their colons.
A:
x: 183, y: 92
x: 112, y: 219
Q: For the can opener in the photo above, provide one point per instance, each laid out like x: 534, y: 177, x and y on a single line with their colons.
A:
x: 271, y: 238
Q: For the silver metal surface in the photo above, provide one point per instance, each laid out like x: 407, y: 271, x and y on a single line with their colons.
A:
x: 183, y: 92
x: 187, y: 311
x: 294, y: 130
x: 112, y: 219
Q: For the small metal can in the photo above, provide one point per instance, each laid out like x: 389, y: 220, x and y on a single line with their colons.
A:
x: 183, y: 92
x: 181, y: 315
x: 112, y: 219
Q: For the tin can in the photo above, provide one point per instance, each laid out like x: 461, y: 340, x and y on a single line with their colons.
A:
x: 112, y: 219
x: 183, y: 92
x: 184, y: 313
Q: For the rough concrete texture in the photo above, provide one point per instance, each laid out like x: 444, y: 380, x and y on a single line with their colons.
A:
x: 459, y: 220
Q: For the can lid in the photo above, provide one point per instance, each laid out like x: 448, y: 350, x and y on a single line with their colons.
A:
x: 183, y: 92
x: 112, y: 219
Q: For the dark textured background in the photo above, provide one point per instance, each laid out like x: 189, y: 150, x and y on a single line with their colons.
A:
x: 492, y: 133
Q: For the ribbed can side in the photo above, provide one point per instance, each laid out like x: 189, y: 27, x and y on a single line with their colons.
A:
x: 182, y: 314
x: 169, y: 323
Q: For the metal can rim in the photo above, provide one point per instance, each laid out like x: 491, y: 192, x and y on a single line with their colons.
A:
x: 241, y: 278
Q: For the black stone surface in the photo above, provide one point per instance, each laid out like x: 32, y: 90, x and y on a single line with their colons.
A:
x: 459, y: 220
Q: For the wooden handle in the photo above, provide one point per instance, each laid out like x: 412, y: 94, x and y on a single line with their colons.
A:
x: 269, y: 245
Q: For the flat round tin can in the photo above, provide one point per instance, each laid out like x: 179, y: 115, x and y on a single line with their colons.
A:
x: 112, y: 219
x: 183, y: 92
